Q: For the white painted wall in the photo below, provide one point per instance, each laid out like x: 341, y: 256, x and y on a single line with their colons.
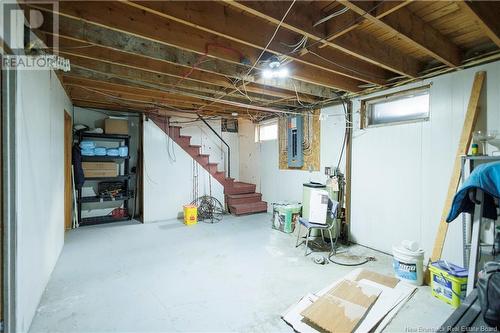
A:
x: 168, y: 175
x: 232, y: 140
x: 259, y: 161
x: 40, y: 106
x: 401, y: 172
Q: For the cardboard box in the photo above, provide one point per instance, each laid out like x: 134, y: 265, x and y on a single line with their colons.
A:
x: 116, y: 126
x: 100, y: 173
x: 99, y: 166
x: 343, y: 307
x: 393, y: 296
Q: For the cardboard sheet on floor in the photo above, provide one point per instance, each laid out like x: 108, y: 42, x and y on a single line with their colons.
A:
x: 343, y: 307
x: 393, y: 296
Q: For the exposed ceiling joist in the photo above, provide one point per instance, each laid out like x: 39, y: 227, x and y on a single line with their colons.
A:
x: 177, y: 86
x: 350, y: 20
x: 485, y: 13
x: 98, y: 53
x: 355, y: 43
x: 86, y: 89
x: 234, y: 25
x: 79, y: 21
x: 412, y: 29
x: 203, y: 98
x: 119, y: 95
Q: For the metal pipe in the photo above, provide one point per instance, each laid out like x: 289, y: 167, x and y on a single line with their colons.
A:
x: 224, y: 142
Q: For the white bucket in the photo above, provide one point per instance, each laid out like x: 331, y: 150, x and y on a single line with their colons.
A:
x: 408, y: 265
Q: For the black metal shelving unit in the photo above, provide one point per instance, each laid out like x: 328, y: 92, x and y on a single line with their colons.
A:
x: 125, y: 178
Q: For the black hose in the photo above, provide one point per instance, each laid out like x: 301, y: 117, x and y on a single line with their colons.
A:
x: 348, y: 264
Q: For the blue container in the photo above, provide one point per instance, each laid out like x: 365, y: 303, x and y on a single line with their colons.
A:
x: 88, y: 152
x: 87, y: 144
x: 100, y: 151
x: 123, y: 151
x: 112, y: 152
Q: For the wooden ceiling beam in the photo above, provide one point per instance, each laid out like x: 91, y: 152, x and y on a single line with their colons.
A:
x: 485, y: 13
x: 105, y: 106
x: 102, y: 73
x: 350, y: 20
x: 141, y: 102
x: 114, y: 26
x: 223, y: 21
x: 413, y: 30
x: 207, y: 98
x: 95, y: 52
x: 176, y: 85
x: 82, y: 98
x: 355, y: 43
x: 180, y: 101
x: 80, y: 91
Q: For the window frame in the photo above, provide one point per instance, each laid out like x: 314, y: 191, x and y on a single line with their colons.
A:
x: 258, y: 138
x: 365, y: 104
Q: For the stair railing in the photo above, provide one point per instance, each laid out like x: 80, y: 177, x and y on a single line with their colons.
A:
x: 223, y: 141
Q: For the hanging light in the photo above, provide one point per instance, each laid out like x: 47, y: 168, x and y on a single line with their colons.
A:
x: 274, y: 69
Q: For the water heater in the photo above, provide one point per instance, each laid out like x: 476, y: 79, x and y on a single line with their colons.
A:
x: 294, y: 139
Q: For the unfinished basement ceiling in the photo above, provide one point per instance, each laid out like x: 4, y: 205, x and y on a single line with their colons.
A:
x: 208, y: 56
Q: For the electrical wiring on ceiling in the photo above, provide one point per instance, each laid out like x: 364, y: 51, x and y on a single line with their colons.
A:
x: 202, y: 58
x: 262, y: 52
x: 345, y: 26
x: 342, y: 66
x: 332, y: 15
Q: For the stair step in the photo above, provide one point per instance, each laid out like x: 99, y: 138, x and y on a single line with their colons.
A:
x: 202, y: 159
x: 193, y: 150
x: 183, y: 140
x: 212, y: 167
x: 174, y: 131
x: 236, y: 199
x: 248, y: 208
x: 239, y: 188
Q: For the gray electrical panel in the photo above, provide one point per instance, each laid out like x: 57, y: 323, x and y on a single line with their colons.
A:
x: 295, y: 136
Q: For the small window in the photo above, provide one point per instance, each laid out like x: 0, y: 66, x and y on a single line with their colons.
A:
x: 406, y: 106
x: 266, y: 131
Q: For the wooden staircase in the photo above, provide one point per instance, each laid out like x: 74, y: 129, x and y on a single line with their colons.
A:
x: 241, y: 197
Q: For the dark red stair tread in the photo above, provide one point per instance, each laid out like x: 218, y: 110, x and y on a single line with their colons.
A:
x: 248, y: 208
x: 236, y: 199
x: 239, y: 188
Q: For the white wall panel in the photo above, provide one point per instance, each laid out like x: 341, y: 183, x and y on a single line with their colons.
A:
x: 401, y: 172
x: 168, y: 175
x: 40, y: 105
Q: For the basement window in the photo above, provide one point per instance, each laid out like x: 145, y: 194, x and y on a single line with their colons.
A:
x: 402, y: 107
x: 266, y: 131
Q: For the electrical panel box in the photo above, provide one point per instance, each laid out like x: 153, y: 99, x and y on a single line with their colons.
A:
x: 295, y: 137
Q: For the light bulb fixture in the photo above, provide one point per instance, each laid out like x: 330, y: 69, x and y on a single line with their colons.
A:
x: 275, y: 73
x: 267, y: 73
x: 274, y: 62
x: 234, y: 114
x: 282, y: 73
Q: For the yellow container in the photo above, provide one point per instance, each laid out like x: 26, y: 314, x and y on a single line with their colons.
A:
x: 190, y: 214
x: 448, y: 282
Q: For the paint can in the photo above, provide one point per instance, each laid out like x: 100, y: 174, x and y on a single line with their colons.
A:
x: 408, y: 264
x: 448, y: 282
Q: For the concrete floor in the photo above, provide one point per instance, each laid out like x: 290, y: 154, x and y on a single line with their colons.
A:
x: 238, y: 275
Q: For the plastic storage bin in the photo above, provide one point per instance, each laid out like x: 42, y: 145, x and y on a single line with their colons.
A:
x: 285, y: 216
x: 448, y: 282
